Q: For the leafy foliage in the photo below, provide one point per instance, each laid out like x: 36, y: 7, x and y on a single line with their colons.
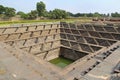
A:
x: 9, y: 12
x: 2, y: 9
x: 32, y: 14
x: 58, y: 14
x: 96, y: 14
x: 22, y: 15
x: 116, y: 14
x: 41, y: 8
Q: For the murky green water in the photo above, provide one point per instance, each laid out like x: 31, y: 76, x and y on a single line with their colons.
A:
x: 61, y: 62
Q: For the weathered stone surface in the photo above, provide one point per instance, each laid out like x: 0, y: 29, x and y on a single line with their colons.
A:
x: 25, y: 51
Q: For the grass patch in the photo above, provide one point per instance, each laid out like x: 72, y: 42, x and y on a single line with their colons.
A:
x: 48, y: 20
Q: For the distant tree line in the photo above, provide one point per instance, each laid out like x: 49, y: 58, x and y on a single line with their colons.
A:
x: 41, y: 12
x: 116, y: 14
x: 96, y: 14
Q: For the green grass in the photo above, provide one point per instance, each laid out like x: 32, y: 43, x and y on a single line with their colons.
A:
x: 61, y: 62
x: 37, y: 21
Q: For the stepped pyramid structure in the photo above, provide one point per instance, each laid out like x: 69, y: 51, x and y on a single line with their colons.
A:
x: 25, y: 51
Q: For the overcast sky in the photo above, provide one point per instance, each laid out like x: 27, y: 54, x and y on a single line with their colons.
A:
x: 74, y: 6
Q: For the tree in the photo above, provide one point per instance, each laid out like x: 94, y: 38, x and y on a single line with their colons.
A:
x: 58, y: 14
x: 41, y: 8
x: 9, y: 12
x: 96, y: 14
x: 20, y: 13
x: 89, y: 15
x: 32, y: 14
x: 70, y: 14
x: 108, y: 15
x: 116, y: 14
x: 23, y: 15
x: 2, y: 9
x: 47, y: 14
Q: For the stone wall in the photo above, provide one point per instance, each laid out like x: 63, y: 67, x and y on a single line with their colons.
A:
x: 40, y: 40
x: 71, y: 54
x: 49, y: 55
x: 70, y: 40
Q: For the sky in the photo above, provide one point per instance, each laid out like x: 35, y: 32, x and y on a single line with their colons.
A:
x: 74, y: 6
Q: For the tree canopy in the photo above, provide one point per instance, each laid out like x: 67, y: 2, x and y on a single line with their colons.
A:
x: 2, y: 9
x: 116, y: 14
x: 41, y: 8
x: 22, y: 15
x: 9, y: 12
x: 41, y: 11
x: 58, y: 14
x: 32, y: 14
